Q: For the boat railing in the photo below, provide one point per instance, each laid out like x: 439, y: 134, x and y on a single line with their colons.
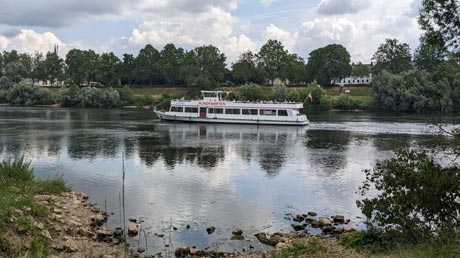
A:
x: 248, y: 102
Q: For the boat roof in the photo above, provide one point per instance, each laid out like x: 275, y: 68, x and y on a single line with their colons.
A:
x: 212, y: 91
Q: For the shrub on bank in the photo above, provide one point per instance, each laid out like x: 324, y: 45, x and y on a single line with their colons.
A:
x: 344, y: 102
x: 126, y: 96
x: 111, y: 98
x: 251, y: 92
x: 3, y: 96
x: 25, y: 94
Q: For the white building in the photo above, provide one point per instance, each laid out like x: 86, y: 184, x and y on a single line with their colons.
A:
x: 355, y: 80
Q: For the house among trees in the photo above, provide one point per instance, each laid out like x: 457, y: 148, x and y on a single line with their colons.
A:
x: 361, y: 74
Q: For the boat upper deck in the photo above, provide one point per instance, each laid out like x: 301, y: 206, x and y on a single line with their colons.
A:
x: 237, y: 104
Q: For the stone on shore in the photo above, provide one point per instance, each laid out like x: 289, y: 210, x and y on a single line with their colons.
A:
x: 348, y: 228
x: 312, y: 213
x: 298, y: 227
x: 182, y: 251
x: 132, y: 229
x: 299, y: 218
x: 339, y: 219
x: 324, y: 222
x: 327, y: 229
x: 315, y: 223
x: 262, y: 237
x: 237, y: 232
x: 210, y: 230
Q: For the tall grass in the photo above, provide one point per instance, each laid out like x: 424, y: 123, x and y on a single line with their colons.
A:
x: 18, y: 186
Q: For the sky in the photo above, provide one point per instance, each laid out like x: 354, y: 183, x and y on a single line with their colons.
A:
x: 234, y: 26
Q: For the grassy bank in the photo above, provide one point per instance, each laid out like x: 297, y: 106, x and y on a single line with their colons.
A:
x: 21, y: 217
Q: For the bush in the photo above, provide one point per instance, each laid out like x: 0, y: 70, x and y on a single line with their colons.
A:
x: 279, y: 92
x: 344, y: 102
x: 143, y: 100
x: 126, y: 96
x: 164, y: 102
x: 111, y: 98
x: 89, y: 97
x: 3, y: 96
x: 417, y: 196
x: 68, y: 96
x: 319, y: 101
x: 251, y: 92
x: 25, y: 94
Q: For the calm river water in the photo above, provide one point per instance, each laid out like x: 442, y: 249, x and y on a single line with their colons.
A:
x: 208, y: 175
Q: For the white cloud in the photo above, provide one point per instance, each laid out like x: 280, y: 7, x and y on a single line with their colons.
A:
x: 267, y: 3
x: 286, y: 37
x: 331, y: 7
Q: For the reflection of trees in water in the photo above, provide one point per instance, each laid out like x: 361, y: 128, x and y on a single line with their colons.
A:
x: 85, y: 145
x: 328, y: 149
x: 272, y: 152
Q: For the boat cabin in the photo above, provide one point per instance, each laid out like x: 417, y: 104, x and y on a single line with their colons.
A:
x: 212, y: 95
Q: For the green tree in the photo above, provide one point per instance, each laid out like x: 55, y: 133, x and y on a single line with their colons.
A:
x: 15, y: 71
x: 127, y: 68
x: 107, y: 67
x: 25, y: 94
x: 245, y: 69
x: 1, y: 64
x: 319, y: 100
x: 441, y: 16
x: 327, y: 63
x: 296, y: 69
x: 271, y: 57
x: 10, y: 57
x: 251, y: 92
x: 392, y: 56
x: 360, y: 70
x: 54, y: 67
x: 429, y: 53
x: 81, y: 65
x: 171, y: 61
x: 211, y: 63
x: 147, y: 65
x: 39, y: 71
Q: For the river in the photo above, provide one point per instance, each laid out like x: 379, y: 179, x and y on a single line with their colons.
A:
x: 209, y: 175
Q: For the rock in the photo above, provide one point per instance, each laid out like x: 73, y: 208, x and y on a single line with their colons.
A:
x: 262, y: 237
x: 280, y: 246
x: 81, y: 195
x: 299, y: 218
x: 348, y: 228
x: 140, y: 249
x: 327, y: 229
x: 132, y: 229
x: 66, y: 246
x: 194, y: 251
x: 210, y: 230
x: 174, y: 228
x: 98, y: 219
x: 117, y: 232
x: 312, y: 213
x: 27, y: 209
x: 46, y: 234
x: 39, y: 225
x: 315, y: 224
x: 56, y: 228
x: 337, y: 231
x: 72, y: 231
x: 309, y: 220
x: 275, y: 239
x: 182, y: 251
x: 18, y: 212
x: 133, y: 220
x: 237, y: 231
x: 323, y: 222
x: 339, y: 219
x: 57, y: 211
x: 187, y: 227
x: 85, y: 232
x: 21, y: 230
x: 103, y: 233
x: 43, y: 198
x: 297, y: 227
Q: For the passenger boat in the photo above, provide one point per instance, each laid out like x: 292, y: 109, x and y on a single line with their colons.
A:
x: 213, y: 108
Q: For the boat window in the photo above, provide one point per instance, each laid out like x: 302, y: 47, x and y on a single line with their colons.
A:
x: 268, y: 112
x: 282, y: 113
x: 177, y: 109
x: 232, y: 111
x: 191, y: 110
x: 218, y: 111
x: 250, y: 112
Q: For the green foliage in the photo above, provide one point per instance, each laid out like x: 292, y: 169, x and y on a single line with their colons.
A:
x: 164, y: 102
x: 251, y: 92
x: 25, y: 94
x: 417, y: 196
x: 360, y: 70
x: 429, y: 53
x: 111, y: 98
x: 126, y: 96
x: 441, y: 16
x: 3, y: 96
x: 320, y: 101
x: 344, y: 102
x: 327, y: 63
x: 142, y: 100
x: 271, y: 58
x: 89, y: 97
x: 68, y: 96
x: 245, y: 70
x: 5, y: 83
x: 419, y: 92
x: 392, y: 56
x: 279, y: 92
x: 312, y: 247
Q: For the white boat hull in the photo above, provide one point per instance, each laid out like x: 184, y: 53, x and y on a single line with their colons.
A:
x: 256, y: 121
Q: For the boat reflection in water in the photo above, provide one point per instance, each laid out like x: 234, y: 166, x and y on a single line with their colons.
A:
x: 266, y: 144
